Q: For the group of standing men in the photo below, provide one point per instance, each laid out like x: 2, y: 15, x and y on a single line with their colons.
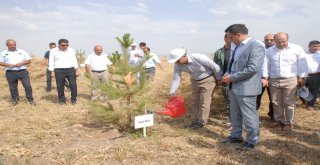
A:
x: 245, y: 67
x: 136, y: 57
x: 63, y: 65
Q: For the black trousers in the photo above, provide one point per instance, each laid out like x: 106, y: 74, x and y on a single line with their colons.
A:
x: 61, y: 75
x: 270, y: 113
x: 49, y: 81
x: 23, y: 76
x: 314, y: 84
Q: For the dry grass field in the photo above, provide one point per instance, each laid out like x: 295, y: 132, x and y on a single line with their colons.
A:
x: 68, y: 134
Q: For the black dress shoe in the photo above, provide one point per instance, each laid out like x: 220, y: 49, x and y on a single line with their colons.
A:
x: 32, y: 103
x: 62, y: 102
x: 197, y: 126
x: 246, y: 146
x: 15, y: 101
x: 191, y: 124
x: 232, y: 140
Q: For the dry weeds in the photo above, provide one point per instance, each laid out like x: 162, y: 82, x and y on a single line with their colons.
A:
x: 54, y: 134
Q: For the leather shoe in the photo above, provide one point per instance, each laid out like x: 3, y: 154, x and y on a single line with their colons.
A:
x: 15, y: 101
x: 246, y: 146
x: 32, y: 103
x: 310, y: 108
x: 275, y: 124
x: 62, y: 103
x: 232, y: 140
x: 197, y: 126
x: 191, y: 124
x: 288, y: 127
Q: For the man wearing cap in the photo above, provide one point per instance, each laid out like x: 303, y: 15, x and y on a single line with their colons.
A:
x: 313, y: 59
x: 244, y: 79
x: 135, y: 57
x: 97, y: 66
x: 286, y: 70
x: 134, y: 54
x: 15, y: 60
x: 204, y: 73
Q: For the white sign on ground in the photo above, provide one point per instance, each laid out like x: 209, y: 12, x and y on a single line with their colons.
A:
x: 143, y: 121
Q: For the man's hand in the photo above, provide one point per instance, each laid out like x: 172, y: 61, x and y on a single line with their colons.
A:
x: 53, y: 74
x: 265, y: 82
x: 226, y: 78
x: 17, y: 64
x: 300, y: 82
x: 10, y: 65
x: 170, y: 96
x: 77, y: 72
x: 219, y: 82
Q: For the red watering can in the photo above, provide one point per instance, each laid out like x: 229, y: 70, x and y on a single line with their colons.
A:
x: 174, y: 107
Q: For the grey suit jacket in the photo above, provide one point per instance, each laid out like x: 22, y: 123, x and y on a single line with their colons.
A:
x: 246, y: 69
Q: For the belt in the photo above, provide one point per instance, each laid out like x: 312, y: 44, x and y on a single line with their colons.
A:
x: 16, y: 70
x: 63, y: 68
x: 205, y: 77
x: 98, y: 71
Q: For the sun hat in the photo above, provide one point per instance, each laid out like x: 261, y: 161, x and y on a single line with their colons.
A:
x: 304, y: 93
x: 175, y: 54
x: 133, y: 44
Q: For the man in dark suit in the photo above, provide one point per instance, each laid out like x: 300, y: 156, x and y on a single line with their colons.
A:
x: 244, y: 78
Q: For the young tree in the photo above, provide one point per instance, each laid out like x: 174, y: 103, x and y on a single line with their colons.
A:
x: 125, y: 43
x: 124, y: 86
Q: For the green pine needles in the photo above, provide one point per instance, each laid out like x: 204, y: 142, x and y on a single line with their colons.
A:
x: 124, y: 100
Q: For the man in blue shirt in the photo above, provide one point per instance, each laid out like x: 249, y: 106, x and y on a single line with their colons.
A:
x: 15, y: 60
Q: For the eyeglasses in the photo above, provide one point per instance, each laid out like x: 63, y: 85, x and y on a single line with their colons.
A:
x: 269, y: 40
x: 64, y: 45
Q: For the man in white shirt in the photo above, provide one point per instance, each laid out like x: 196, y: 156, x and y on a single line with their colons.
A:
x: 48, y: 73
x: 151, y: 63
x: 63, y: 62
x: 134, y: 54
x: 97, y: 65
x: 268, y: 41
x: 15, y: 60
x: 204, y: 73
x: 313, y: 58
x: 286, y: 70
x: 142, y: 45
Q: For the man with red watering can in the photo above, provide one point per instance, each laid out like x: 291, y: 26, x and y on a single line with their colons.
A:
x: 204, y: 73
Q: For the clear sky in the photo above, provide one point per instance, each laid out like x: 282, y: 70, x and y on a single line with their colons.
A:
x: 197, y: 25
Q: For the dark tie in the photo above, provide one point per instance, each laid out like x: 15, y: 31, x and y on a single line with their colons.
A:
x: 231, y: 62
x: 232, y: 59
